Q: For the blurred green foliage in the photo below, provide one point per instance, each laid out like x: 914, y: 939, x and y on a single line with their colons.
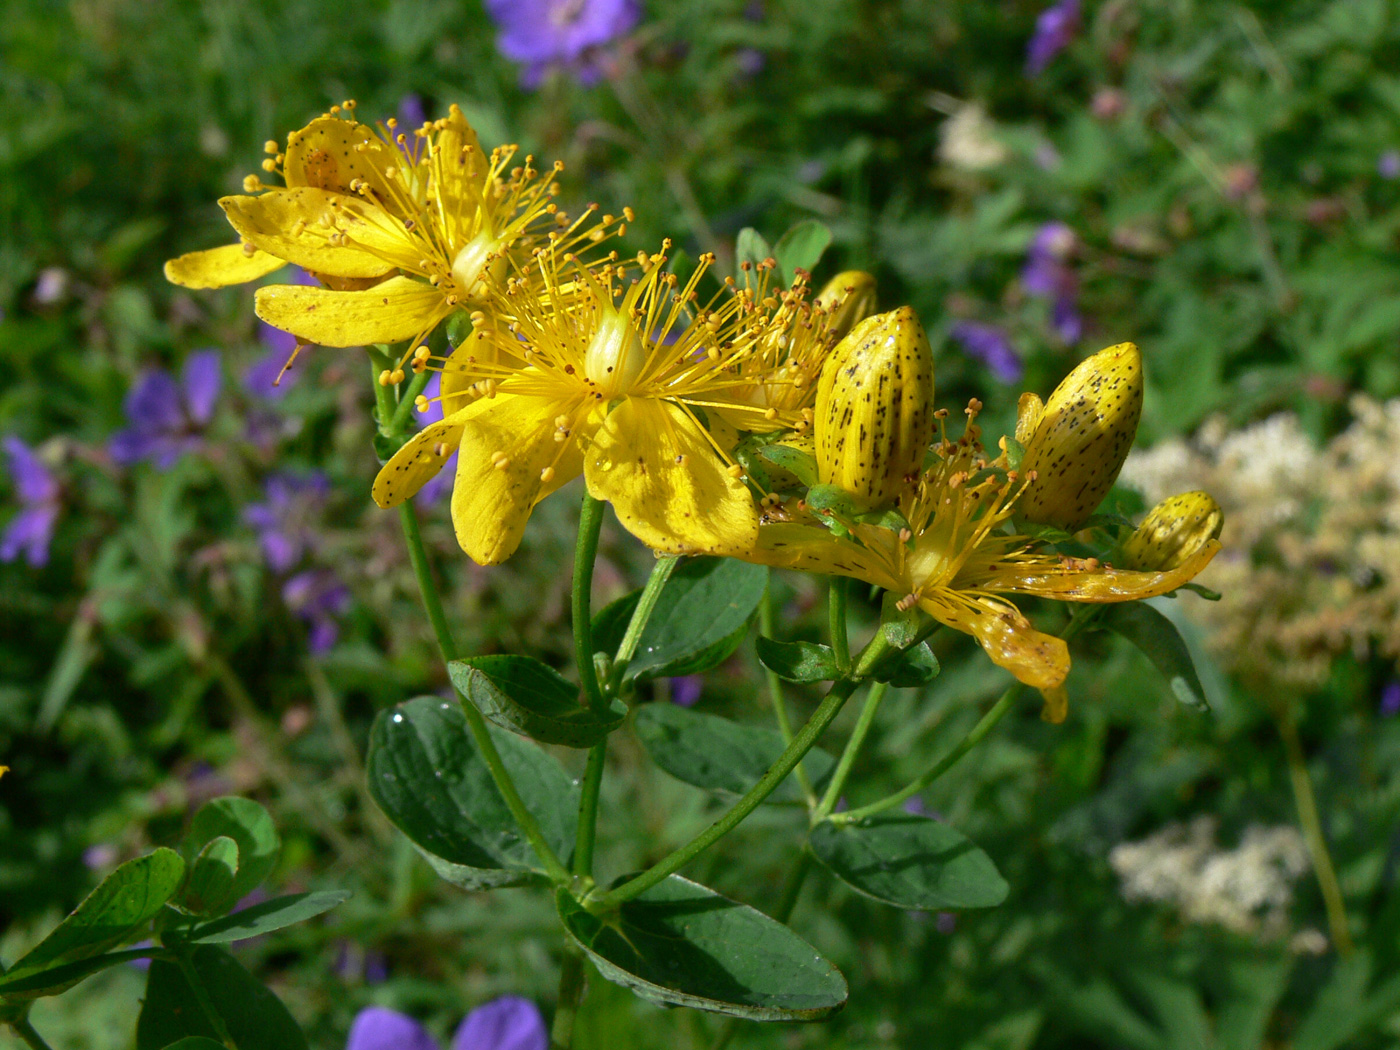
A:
x: 1221, y: 168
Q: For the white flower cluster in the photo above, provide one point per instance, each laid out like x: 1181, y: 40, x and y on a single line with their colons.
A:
x: 1246, y: 889
x: 1311, y: 562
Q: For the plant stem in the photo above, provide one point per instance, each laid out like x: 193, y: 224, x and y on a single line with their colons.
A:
x: 1083, y: 616
x: 384, y: 405
x: 590, y: 523
x: 646, y: 605
x: 766, y: 625
x: 432, y: 604
x: 829, y: 708
x: 980, y: 730
x: 1312, y: 833
x: 25, y: 1031
x: 587, y: 833
x: 216, y: 1021
x: 848, y: 756
x: 571, y: 987
x: 836, y: 614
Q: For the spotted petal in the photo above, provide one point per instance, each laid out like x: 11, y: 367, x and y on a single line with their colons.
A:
x: 221, y: 267
x: 417, y: 462
x: 653, y: 462
x: 491, y: 503
x: 1069, y: 580
x: 399, y: 308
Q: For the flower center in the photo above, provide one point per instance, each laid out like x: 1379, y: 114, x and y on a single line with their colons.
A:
x: 928, y: 562
x: 615, y: 355
x: 475, y: 262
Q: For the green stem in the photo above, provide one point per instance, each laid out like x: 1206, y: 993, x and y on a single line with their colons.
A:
x: 848, y: 756
x: 384, y: 406
x: 571, y: 987
x: 646, y: 605
x: 216, y: 1022
x: 589, y: 795
x: 1313, y: 835
x: 829, y: 708
x: 403, y: 413
x: 590, y: 523
x: 432, y: 603
x: 980, y: 730
x: 766, y: 626
x: 25, y: 1031
x: 836, y: 614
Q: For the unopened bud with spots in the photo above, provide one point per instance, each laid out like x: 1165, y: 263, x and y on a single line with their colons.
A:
x: 874, y: 413
x: 1077, y: 441
x: 1173, y: 532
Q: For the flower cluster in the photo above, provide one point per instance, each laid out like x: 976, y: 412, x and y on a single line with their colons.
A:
x: 759, y: 421
x: 1311, y: 541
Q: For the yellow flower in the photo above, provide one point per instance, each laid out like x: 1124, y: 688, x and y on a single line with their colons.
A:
x: 1173, y: 531
x: 777, y: 345
x: 957, y: 562
x: 595, y: 389
x: 849, y: 298
x: 402, y: 229
x: 1077, y: 441
x: 874, y: 412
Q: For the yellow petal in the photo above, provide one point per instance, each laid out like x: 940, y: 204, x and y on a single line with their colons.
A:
x: 458, y: 171
x: 812, y: 548
x: 400, y: 308
x: 1036, y: 659
x: 298, y: 225
x: 416, y: 463
x: 1056, y: 707
x: 1173, y: 531
x: 849, y: 298
x: 668, y: 486
x: 506, y: 450
x: 323, y: 155
x: 1076, y: 580
x: 221, y: 267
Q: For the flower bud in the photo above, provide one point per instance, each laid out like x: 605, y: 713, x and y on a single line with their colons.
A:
x: 1173, y: 531
x: 874, y: 411
x: 1082, y: 438
x: 849, y: 298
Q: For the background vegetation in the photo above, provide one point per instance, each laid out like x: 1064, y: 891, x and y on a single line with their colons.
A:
x: 1217, y: 182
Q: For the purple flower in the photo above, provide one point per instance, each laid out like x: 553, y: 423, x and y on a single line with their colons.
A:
x: 166, y: 416
x: 1388, y: 166
x: 318, y: 597
x: 411, y: 113
x: 1390, y: 699
x: 285, y: 523
x: 990, y: 345
x: 541, y: 34
x: 685, y: 690
x: 1048, y: 275
x: 915, y: 806
x: 31, y: 529
x: 507, y: 1023
x: 379, y: 1028
x: 1054, y: 30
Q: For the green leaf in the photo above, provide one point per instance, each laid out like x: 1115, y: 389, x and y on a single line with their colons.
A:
x: 1161, y: 643
x: 428, y: 777
x: 18, y: 988
x: 459, y: 327
x: 249, y: 825
x: 800, y: 464
x: 211, y: 878
x: 910, y: 862
x: 801, y: 248
x: 196, y: 1042
x: 908, y: 670
x: 531, y: 698
x: 113, y: 913
x: 719, y: 755
x: 266, y: 917
x: 700, y: 618
x: 254, y: 1017
x: 684, y: 945
x: 798, y: 661
x: 750, y: 247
